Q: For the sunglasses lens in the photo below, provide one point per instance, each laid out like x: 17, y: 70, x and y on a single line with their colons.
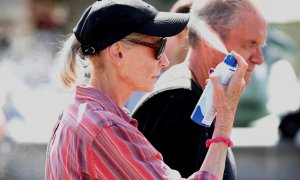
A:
x: 161, y: 49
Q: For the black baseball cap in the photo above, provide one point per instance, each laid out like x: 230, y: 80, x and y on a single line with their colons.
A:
x: 108, y: 21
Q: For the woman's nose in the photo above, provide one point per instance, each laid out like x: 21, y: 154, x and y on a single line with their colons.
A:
x: 164, y: 61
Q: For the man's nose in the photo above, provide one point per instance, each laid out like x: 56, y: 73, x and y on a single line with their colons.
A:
x: 257, y: 57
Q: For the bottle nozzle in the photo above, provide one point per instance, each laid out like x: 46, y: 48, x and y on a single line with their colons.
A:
x: 230, y: 60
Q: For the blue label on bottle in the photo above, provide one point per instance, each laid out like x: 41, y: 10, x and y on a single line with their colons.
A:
x: 197, y: 116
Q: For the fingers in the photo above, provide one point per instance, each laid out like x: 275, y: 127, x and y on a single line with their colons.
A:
x: 242, y: 64
x: 211, y: 70
x: 218, y: 91
x: 237, y: 83
x: 215, y: 80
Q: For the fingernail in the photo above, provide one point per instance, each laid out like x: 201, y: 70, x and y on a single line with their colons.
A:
x: 211, y: 70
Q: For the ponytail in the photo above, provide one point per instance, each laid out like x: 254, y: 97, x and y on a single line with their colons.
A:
x: 67, y: 61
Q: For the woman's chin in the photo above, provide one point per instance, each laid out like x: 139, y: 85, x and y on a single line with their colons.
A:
x: 148, y: 89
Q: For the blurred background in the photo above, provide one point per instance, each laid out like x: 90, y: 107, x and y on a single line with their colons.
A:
x: 266, y: 133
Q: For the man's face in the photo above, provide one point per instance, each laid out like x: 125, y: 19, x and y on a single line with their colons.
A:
x: 247, y: 39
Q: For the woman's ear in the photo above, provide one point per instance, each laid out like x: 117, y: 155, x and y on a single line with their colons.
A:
x: 120, y: 55
x: 115, y: 51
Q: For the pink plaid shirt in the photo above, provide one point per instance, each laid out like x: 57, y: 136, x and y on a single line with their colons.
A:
x: 96, y: 139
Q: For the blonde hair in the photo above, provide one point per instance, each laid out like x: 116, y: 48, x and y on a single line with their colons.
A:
x: 67, y: 61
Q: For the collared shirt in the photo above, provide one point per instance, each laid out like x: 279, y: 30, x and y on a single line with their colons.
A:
x: 96, y: 139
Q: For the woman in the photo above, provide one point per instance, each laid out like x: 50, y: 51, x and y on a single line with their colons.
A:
x: 95, y: 137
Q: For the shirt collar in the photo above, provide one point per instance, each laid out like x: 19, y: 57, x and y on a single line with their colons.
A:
x: 101, y: 99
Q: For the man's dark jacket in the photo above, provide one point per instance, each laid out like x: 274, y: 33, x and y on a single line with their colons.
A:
x: 164, y: 118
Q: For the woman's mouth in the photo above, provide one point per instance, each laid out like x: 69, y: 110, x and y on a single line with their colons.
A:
x: 155, y: 77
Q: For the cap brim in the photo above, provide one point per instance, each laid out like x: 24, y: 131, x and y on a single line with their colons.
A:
x: 165, y: 24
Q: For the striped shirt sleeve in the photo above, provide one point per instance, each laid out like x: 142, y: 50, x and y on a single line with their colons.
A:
x: 122, y: 152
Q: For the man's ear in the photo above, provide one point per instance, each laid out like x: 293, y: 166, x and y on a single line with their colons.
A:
x: 182, y: 39
x: 183, y: 34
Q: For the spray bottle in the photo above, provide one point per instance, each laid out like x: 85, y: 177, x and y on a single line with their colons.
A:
x: 205, y: 112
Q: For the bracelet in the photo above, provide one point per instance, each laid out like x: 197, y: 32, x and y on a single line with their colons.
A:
x: 225, y: 140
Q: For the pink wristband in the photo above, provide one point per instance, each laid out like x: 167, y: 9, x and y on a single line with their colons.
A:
x: 225, y: 140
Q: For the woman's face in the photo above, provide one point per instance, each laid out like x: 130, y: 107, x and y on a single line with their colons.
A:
x: 140, y: 69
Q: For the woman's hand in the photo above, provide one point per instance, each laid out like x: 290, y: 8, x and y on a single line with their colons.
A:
x: 226, y: 99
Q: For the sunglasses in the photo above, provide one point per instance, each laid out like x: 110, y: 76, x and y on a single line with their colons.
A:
x: 158, y: 47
